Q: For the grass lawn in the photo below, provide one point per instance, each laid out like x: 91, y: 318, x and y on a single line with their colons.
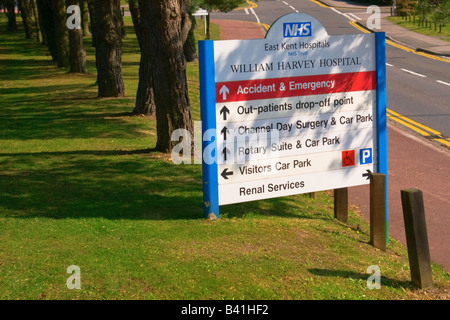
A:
x: 81, y: 184
x: 444, y: 34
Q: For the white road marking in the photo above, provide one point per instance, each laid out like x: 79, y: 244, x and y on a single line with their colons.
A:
x: 347, y: 16
x: 354, y: 16
x: 254, y: 13
x: 389, y: 65
x: 414, y: 73
x: 335, y: 10
x: 246, y: 11
x: 442, y: 82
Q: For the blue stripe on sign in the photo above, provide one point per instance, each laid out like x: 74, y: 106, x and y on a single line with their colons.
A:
x: 380, y: 54
x: 208, y: 117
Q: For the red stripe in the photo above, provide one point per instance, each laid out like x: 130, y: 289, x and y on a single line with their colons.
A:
x: 270, y: 88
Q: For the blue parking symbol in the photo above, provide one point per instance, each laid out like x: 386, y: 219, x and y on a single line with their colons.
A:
x: 365, y: 156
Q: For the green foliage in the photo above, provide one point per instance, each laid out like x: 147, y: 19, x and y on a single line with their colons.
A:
x: 428, y: 10
x: 375, y: 2
x: 437, y: 10
x: 441, y: 12
x: 406, y: 6
x: 220, y: 5
x: 424, y: 8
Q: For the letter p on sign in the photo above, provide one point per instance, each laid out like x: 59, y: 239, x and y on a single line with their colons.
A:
x: 365, y: 156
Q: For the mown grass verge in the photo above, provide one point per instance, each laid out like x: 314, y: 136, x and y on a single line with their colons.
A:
x: 433, y: 31
x: 80, y: 184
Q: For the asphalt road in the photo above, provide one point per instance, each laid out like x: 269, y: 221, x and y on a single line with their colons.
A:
x: 418, y: 87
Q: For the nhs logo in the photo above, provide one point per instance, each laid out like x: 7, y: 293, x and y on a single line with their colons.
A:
x: 296, y: 29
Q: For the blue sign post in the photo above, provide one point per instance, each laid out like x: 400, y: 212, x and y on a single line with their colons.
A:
x: 380, y: 54
x: 208, y: 115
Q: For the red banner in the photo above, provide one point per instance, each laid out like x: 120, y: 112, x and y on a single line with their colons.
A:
x: 261, y: 89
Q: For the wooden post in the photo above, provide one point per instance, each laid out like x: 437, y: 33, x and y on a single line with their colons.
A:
x: 341, y: 204
x: 378, y: 210
x: 417, y: 238
x: 311, y: 195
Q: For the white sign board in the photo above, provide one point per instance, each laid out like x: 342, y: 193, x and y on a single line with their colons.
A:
x: 200, y: 12
x: 295, y: 112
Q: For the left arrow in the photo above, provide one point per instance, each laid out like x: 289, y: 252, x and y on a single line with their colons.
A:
x: 224, y: 91
x: 225, y: 173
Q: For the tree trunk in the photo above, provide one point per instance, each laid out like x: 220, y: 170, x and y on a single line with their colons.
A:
x: 189, y: 46
x: 27, y: 19
x: 122, y: 25
x: 108, y: 53
x: 45, y: 10
x: 136, y: 17
x: 188, y: 24
x: 162, y: 20
x: 84, y: 17
x: 36, y: 20
x: 145, y: 100
x: 186, y: 21
x: 11, y: 14
x: 77, y: 52
x: 62, y: 33
x: 93, y: 20
x: 76, y: 49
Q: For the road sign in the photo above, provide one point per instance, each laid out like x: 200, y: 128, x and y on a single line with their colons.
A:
x: 299, y: 111
x: 200, y: 12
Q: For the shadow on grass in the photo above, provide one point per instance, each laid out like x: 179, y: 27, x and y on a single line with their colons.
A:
x: 135, y: 184
x: 59, y: 106
x: 63, y: 111
x: 393, y: 283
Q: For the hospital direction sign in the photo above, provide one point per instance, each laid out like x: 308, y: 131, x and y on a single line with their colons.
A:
x: 299, y: 111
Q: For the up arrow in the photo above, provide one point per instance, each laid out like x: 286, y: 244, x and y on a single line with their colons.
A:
x: 224, y: 111
x: 224, y: 131
x: 225, y: 151
x: 224, y: 91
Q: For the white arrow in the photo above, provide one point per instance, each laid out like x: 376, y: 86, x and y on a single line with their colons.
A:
x: 224, y: 91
